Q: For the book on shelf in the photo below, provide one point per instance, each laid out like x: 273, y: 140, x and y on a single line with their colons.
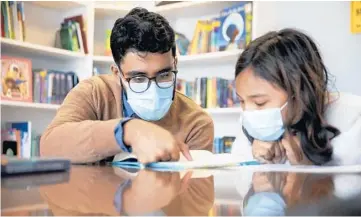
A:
x: 16, y: 79
x: 72, y: 35
x: 81, y: 30
x: 51, y: 86
x: 236, y: 27
x: 223, y: 144
x: 231, y: 30
x: 211, y: 92
x: 108, y: 51
x: 13, y: 20
x: 11, y: 142
x: 18, y: 139
x: 19, y: 82
x: 182, y: 43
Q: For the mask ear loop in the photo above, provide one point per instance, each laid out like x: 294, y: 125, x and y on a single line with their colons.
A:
x: 175, y: 80
x: 284, y: 105
x: 121, y: 83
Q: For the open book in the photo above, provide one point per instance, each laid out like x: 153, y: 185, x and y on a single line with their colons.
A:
x: 201, y: 159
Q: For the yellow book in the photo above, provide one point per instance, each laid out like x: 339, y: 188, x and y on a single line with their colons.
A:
x: 249, y: 17
x: 356, y: 17
x: 194, y: 43
x: 206, y: 28
x: 214, y: 96
x: 209, y: 93
x: 108, y: 51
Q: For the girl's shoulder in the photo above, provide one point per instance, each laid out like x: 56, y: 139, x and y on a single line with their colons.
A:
x: 344, y: 113
x: 343, y: 109
x: 345, y: 99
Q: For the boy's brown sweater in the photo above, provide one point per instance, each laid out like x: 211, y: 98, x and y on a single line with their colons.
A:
x: 83, y: 128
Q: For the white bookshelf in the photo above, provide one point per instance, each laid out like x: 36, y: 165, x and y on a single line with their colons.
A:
x: 214, y: 56
x: 185, y: 5
x: 223, y: 111
x: 62, y: 5
x: 109, y: 10
x: 30, y: 105
x: 103, y: 60
x: 219, y: 57
x: 38, y: 50
x: 53, y: 107
x: 100, y: 16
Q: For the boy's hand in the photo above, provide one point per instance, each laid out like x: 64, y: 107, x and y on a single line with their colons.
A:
x: 151, y: 143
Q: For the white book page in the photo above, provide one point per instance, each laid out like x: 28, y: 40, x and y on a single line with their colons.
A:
x: 196, y: 155
x: 123, y: 157
x: 302, y: 168
x: 201, y: 159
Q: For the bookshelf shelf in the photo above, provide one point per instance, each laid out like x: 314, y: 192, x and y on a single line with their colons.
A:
x: 177, y: 6
x: 109, y: 10
x: 105, y: 60
x: 55, y: 107
x: 216, y: 111
x: 39, y: 50
x: 191, y: 8
x: 227, y: 202
x: 29, y: 105
x: 197, y: 58
x: 215, y: 56
x: 60, y: 5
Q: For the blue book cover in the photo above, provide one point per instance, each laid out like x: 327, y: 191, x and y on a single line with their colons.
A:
x: 201, y: 159
x: 233, y: 30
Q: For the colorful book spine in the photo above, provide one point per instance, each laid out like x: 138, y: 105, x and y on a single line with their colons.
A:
x: 52, y: 86
x: 210, y: 92
x: 223, y: 144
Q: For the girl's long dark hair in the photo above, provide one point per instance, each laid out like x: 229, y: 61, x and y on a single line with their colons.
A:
x: 292, y: 61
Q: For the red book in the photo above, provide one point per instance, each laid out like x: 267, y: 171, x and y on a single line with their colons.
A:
x: 2, y: 25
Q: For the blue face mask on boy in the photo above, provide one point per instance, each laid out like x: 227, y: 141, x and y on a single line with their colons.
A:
x: 153, y: 104
x: 265, y: 125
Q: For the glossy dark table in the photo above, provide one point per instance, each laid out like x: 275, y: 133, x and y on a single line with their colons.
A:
x: 104, y: 190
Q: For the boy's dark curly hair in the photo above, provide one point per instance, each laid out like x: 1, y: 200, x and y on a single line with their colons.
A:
x: 141, y: 31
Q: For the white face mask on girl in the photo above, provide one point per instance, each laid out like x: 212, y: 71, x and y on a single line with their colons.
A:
x: 265, y: 125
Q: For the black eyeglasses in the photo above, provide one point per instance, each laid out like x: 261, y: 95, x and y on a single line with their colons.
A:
x: 141, y: 83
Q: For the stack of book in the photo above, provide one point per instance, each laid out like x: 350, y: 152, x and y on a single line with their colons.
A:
x: 210, y: 92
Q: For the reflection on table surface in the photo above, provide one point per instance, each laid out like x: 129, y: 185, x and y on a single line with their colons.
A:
x: 104, y: 190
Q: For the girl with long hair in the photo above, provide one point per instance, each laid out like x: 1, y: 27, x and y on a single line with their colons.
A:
x: 288, y: 113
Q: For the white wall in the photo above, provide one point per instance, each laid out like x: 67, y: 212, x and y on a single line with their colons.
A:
x: 328, y: 23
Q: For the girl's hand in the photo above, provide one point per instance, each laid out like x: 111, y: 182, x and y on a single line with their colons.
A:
x: 294, y: 152
x: 268, y: 152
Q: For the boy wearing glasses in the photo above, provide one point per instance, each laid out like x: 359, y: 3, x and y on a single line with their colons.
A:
x: 136, y: 109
